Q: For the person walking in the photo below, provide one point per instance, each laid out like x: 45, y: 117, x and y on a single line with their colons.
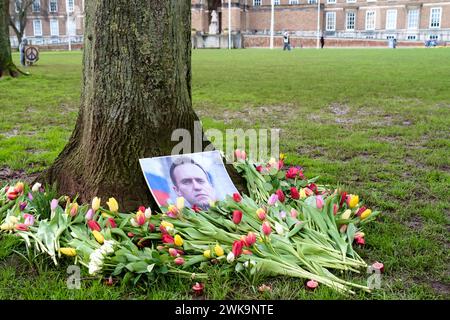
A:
x: 22, y: 46
x: 322, y: 42
x: 286, y: 41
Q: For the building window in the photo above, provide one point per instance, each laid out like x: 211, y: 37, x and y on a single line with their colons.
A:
x: 293, y: 1
x: 351, y: 1
x: 256, y: 2
x: 53, y: 6
x: 434, y: 37
x: 331, y: 1
x: 37, y: 27
x: 17, y: 5
x: 70, y: 5
x: 330, y: 21
x: 370, y: 20
x: 413, y: 19
x: 54, y: 27
x: 435, y: 18
x: 36, y: 6
x: 390, y: 37
x: 276, y: 2
x: 391, y: 19
x: 350, y: 20
x: 412, y: 37
x: 312, y: 1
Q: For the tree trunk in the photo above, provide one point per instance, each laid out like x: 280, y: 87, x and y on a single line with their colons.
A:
x: 136, y: 90
x: 6, y: 63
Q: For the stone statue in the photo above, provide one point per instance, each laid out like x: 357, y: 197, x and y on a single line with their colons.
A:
x: 214, y: 26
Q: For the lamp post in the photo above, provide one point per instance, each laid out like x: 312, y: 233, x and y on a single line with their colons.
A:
x: 272, y: 18
x: 229, y: 24
x: 318, y: 24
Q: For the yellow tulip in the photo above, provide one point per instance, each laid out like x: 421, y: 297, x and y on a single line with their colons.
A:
x: 166, y: 224
x: 178, y: 240
x: 105, y: 215
x: 354, y: 200
x: 346, y: 214
x: 366, y: 214
x: 70, y: 252
x: 302, y: 193
x: 96, y: 204
x: 282, y: 156
x: 98, y: 236
x: 207, y: 254
x: 113, y: 205
x: 180, y: 203
x: 218, y: 250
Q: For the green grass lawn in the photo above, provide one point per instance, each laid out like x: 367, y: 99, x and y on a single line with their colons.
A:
x: 374, y: 121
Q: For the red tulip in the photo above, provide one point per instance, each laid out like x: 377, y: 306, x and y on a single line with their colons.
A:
x: 360, y: 241
x: 167, y: 238
x: 237, y: 216
x: 141, y: 208
x: 294, y: 193
x: 378, y: 266
x: 130, y: 234
x: 313, y: 188
x: 93, y: 225
x: 237, y: 197
x: 281, y: 196
x: 266, y: 229
x: 343, y: 198
x: 196, y: 208
x: 140, y: 218
x: 12, y: 194
x: 360, y: 211
x: 111, y: 223
x: 293, y: 172
x: 259, y: 168
x: 151, y: 227
x: 237, y: 248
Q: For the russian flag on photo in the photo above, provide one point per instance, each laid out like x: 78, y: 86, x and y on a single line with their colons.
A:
x: 159, y: 187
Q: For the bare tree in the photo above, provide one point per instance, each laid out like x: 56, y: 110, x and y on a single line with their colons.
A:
x: 18, y: 17
x: 6, y: 63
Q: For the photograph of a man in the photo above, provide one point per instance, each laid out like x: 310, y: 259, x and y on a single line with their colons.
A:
x: 200, y: 178
x: 192, y: 182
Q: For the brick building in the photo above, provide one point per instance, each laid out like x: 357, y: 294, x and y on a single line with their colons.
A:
x: 57, y: 21
x: 51, y: 22
x: 414, y: 20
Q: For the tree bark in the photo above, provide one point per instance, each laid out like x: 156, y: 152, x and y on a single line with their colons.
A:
x: 136, y: 90
x: 6, y: 62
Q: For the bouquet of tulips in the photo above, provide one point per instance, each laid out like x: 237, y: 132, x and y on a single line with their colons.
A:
x: 287, y: 226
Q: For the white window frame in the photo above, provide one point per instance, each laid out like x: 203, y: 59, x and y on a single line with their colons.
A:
x: 50, y: 5
x: 56, y: 22
x: 431, y: 17
x: 347, y: 20
x: 36, y: 2
x: 327, y: 21
x: 417, y: 19
x: 374, y: 20
x: 70, y: 8
x: 293, y: 2
x: 391, y: 25
x: 331, y: 1
x: 351, y: 1
x: 276, y: 2
x: 257, y: 3
x: 37, y: 34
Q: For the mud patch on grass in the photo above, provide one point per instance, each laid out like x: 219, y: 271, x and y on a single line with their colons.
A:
x: 252, y: 114
x: 415, y: 223
x: 339, y: 109
x: 7, y: 174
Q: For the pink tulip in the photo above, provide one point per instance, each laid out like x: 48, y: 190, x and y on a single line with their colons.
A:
x: 250, y: 239
x: 261, y: 214
x: 319, y: 202
x: 266, y: 229
x: 54, y: 204
x: 93, y: 225
x: 240, y: 154
x: 335, y: 208
x: 173, y: 252
x: 89, y: 215
x: 22, y: 227
x: 29, y: 219
x: 237, y: 248
x: 179, y: 261
x: 294, y: 213
x: 312, y: 285
x: 30, y: 196
x: 272, y: 199
x: 140, y: 218
x: 111, y: 223
x: 167, y: 238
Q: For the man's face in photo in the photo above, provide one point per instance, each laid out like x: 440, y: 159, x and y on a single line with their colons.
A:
x: 192, y: 183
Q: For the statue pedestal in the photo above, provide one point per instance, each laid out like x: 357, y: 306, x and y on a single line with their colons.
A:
x: 211, y: 41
